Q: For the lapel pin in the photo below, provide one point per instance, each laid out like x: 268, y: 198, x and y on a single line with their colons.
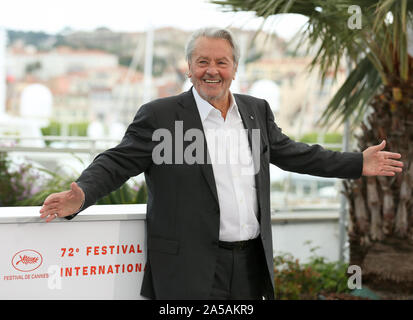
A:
x: 252, y: 117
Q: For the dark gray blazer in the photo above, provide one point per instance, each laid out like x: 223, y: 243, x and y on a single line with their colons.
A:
x: 183, y: 209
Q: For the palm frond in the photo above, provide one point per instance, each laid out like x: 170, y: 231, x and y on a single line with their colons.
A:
x: 353, y: 96
x: 379, y: 49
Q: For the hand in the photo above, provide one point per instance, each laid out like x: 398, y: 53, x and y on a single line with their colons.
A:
x: 380, y: 163
x: 62, y: 204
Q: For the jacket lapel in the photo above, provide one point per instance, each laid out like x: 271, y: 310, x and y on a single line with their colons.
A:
x: 189, y: 114
x: 250, y: 121
x: 248, y: 118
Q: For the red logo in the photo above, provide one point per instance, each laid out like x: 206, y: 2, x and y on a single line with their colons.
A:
x: 27, y: 260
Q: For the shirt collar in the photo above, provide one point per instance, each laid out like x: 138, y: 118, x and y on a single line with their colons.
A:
x: 204, y: 107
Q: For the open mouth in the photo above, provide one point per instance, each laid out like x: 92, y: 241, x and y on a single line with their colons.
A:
x: 212, y: 81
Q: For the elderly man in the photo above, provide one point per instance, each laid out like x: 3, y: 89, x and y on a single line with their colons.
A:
x: 208, y: 220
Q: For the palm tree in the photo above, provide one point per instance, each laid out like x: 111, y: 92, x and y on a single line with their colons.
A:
x: 377, y: 98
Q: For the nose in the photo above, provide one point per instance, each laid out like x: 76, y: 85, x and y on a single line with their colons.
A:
x: 212, y: 70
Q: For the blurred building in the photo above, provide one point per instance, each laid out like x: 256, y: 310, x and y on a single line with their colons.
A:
x: 302, y: 98
x: 21, y: 60
x: 93, y: 79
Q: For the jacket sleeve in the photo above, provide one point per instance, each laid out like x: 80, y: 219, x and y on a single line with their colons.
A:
x: 313, y: 160
x: 132, y: 156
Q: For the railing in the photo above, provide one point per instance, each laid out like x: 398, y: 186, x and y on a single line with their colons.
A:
x: 91, y: 146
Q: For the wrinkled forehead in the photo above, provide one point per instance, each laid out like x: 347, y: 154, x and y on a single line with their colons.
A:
x: 212, y: 48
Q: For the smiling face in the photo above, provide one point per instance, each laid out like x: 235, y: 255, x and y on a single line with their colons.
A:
x: 212, y: 70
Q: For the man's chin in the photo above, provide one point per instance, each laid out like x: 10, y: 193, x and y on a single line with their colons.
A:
x: 211, y: 97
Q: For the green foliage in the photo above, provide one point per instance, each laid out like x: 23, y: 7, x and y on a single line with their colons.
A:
x: 53, y: 184
x: 29, y: 37
x: 126, y: 195
x: 125, y: 60
x: 142, y: 194
x: 328, y: 138
x: 55, y: 129
x: 57, y: 183
x: 26, y: 187
x: 354, y: 96
x: 74, y: 129
x: 159, y: 64
x: 31, y: 67
x: 376, y: 52
x: 15, y: 184
x: 312, y: 137
x: 277, y: 186
x: 253, y: 56
x: 296, y: 281
x: 293, y: 281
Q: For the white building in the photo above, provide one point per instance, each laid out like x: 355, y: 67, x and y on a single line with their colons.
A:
x: 57, y: 62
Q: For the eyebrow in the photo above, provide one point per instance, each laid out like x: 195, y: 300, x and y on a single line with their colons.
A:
x: 206, y: 58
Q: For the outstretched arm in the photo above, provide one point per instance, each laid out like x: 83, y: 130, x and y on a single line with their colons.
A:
x: 108, y: 171
x: 314, y: 160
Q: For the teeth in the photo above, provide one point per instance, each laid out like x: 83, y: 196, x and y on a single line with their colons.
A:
x: 211, y: 81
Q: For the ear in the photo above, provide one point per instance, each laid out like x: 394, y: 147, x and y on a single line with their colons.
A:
x: 235, y: 71
x: 189, y: 73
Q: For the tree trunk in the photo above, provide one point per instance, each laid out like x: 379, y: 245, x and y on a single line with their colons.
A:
x: 381, y: 208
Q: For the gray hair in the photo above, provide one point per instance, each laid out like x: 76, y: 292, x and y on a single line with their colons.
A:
x: 215, y: 33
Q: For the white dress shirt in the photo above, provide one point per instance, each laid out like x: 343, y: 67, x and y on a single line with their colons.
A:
x: 231, y: 160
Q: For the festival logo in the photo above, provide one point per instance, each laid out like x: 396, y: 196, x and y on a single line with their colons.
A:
x: 27, y: 260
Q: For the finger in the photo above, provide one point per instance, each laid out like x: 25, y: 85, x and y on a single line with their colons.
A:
x: 51, y: 217
x: 48, y: 207
x: 391, y: 155
x: 380, y: 146
x: 53, y: 198
x: 49, y: 212
x: 390, y: 168
x: 387, y: 173
x: 74, y: 187
x: 395, y: 163
x: 44, y: 215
